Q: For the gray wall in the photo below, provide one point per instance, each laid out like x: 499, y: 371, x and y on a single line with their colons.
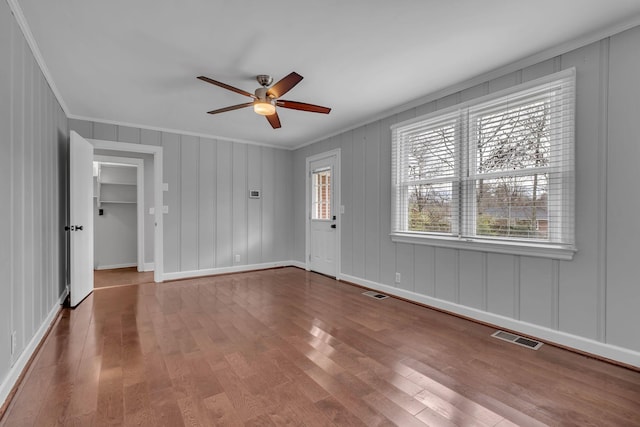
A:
x: 596, y: 295
x: 33, y: 194
x: 115, y: 236
x: 210, y: 217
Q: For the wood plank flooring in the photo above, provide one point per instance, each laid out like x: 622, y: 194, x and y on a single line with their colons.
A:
x: 120, y: 277
x: 289, y: 347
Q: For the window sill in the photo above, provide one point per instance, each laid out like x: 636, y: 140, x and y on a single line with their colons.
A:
x: 564, y: 253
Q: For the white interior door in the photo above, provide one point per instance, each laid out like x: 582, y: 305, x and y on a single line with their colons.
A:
x: 322, y: 216
x: 81, y: 218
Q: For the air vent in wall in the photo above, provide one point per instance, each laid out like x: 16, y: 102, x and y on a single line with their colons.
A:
x: 374, y: 294
x: 517, y: 339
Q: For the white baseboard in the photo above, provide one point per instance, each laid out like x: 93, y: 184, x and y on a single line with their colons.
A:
x: 298, y: 264
x: 149, y: 266
x: 21, y: 363
x: 607, y: 351
x: 110, y: 267
x: 224, y: 270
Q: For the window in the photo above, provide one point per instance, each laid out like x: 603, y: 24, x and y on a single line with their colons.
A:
x: 321, y: 203
x: 494, y: 174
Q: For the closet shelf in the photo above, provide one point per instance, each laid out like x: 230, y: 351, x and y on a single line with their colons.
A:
x: 115, y: 184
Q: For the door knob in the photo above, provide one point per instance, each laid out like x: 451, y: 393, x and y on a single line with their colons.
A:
x: 78, y: 227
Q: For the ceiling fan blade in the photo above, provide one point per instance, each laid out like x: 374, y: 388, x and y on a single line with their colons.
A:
x: 303, y: 106
x: 284, y: 85
x: 226, y: 86
x: 274, y: 120
x: 231, y: 108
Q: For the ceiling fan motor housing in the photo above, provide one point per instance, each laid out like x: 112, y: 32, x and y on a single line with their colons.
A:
x: 261, y: 94
x: 264, y: 80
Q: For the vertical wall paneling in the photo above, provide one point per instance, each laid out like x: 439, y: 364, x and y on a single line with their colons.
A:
x: 603, y: 142
x: 189, y: 202
x: 387, y: 260
x: 623, y: 196
x: 474, y: 92
x: 372, y: 202
x: 36, y: 253
x: 6, y: 42
x: 404, y: 266
x: 346, y: 234
x: 239, y: 198
x: 578, y: 295
x: 33, y: 131
x: 207, y: 204
x: 268, y: 220
x: 254, y: 206
x: 536, y: 291
x: 538, y: 70
x: 448, y: 101
x: 358, y: 201
x: 61, y: 196
x: 28, y: 208
x: 129, y: 134
x: 424, y: 270
x: 423, y: 109
x: 82, y: 127
x: 224, y: 203
x: 472, y: 279
x: 105, y: 131
x: 18, y: 194
x: 503, y: 82
x: 149, y: 137
x: 171, y: 176
x: 284, y: 202
x: 446, y: 283
x: 501, y: 292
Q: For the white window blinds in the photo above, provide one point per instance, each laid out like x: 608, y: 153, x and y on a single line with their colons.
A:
x: 498, y: 169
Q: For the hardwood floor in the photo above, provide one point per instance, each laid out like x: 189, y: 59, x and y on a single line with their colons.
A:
x: 120, y: 277
x: 288, y: 347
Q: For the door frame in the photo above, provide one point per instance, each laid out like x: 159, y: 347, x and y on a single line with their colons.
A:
x: 156, y: 151
x: 338, y: 208
x: 139, y: 164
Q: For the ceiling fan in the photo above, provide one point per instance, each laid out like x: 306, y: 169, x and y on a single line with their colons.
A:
x: 266, y: 99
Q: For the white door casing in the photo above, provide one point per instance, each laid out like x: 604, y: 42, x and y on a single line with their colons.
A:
x: 156, y: 152
x: 323, y: 213
x: 81, y: 218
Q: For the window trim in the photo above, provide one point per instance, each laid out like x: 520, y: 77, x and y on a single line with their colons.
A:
x: 482, y: 243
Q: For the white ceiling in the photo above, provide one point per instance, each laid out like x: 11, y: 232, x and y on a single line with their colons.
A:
x: 136, y: 62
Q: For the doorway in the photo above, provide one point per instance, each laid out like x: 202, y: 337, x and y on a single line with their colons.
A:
x: 323, y: 213
x: 119, y: 231
x: 154, y: 199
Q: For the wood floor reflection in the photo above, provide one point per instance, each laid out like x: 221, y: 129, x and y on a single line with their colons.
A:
x: 289, y: 347
x: 120, y: 277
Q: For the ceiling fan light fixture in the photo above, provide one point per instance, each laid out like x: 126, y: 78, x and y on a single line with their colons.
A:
x: 264, y: 108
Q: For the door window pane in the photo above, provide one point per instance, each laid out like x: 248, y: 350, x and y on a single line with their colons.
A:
x: 321, y: 203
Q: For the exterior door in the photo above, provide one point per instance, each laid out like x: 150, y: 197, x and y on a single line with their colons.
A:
x: 322, y: 216
x: 81, y: 217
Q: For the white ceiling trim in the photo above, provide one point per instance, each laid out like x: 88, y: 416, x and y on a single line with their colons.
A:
x: 177, y: 132
x: 498, y: 72
x: 26, y: 31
